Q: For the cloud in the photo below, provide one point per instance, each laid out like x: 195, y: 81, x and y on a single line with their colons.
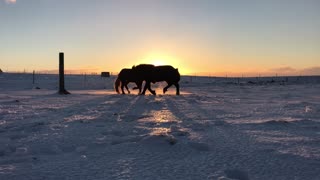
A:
x: 10, y: 1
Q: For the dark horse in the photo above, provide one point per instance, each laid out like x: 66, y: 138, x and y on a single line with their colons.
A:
x: 124, y: 78
x: 151, y: 73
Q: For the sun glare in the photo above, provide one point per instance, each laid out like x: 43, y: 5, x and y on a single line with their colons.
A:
x: 158, y: 62
x: 158, y: 59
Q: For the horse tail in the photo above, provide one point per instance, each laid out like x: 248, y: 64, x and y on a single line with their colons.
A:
x: 117, y: 84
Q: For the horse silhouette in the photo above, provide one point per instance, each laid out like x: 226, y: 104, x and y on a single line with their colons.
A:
x: 151, y: 73
x: 126, y: 76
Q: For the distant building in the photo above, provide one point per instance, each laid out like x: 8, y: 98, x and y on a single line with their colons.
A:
x: 1, y: 71
x: 105, y: 74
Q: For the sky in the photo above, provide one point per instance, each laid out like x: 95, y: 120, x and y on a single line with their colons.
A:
x: 199, y: 37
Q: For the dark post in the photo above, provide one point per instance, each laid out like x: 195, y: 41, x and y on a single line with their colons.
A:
x: 33, y: 77
x: 62, y: 90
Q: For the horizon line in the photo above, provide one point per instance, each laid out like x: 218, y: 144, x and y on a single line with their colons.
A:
x: 52, y: 72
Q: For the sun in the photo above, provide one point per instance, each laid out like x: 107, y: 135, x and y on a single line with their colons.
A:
x: 160, y: 59
x: 158, y: 62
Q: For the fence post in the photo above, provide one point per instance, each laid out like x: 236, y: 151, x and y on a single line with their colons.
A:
x: 33, y: 74
x: 62, y: 90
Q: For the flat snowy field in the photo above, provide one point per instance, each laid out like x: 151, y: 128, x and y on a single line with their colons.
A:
x: 216, y: 129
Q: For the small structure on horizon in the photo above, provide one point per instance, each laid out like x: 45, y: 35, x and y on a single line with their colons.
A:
x: 105, y: 74
x: 1, y: 71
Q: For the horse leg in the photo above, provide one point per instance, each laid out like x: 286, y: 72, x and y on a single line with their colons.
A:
x: 139, y: 85
x: 145, y: 87
x: 149, y: 88
x: 126, y: 85
x: 152, y: 91
x: 177, y: 87
x: 122, y: 88
x: 165, y: 89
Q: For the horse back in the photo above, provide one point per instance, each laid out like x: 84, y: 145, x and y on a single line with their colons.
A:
x: 166, y: 73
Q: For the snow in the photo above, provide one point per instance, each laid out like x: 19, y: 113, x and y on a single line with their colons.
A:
x: 218, y: 128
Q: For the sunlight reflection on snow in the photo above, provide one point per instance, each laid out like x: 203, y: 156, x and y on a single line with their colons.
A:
x: 158, y: 131
x: 163, y: 116
x: 79, y: 118
x: 93, y: 92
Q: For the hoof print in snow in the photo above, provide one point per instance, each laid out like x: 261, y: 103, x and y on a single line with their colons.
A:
x: 237, y: 174
x: 199, y: 146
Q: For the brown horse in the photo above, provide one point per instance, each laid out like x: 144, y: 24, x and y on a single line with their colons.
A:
x: 151, y: 73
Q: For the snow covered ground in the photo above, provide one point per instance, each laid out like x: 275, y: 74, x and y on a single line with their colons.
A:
x: 218, y: 128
